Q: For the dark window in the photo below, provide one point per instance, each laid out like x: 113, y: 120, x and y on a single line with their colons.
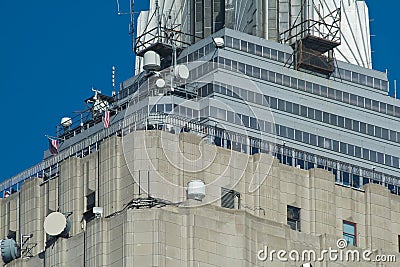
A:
x: 243, y: 45
x: 346, y: 97
x: 360, y: 102
x: 350, y: 233
x: 258, y: 50
x: 228, y: 198
x: 363, y: 127
x: 293, y: 218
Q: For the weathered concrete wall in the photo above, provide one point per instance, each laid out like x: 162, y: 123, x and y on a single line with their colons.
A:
x: 207, y: 235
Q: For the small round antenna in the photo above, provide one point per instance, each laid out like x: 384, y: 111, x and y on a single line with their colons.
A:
x: 181, y: 71
x: 160, y: 83
x: 56, y: 224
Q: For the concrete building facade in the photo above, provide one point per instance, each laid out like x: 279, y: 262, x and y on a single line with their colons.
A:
x: 176, y: 231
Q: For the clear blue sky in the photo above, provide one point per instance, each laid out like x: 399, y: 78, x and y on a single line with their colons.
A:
x: 53, y: 52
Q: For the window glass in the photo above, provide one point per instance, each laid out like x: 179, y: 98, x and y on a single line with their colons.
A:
x: 273, y: 103
x: 281, y: 105
x: 385, y: 134
x: 286, y: 80
x: 318, y: 115
x: 293, y: 218
x: 355, y: 77
x: 363, y: 127
x: 306, y: 137
x: 281, y: 56
x: 316, y: 89
x: 356, y: 125
x: 313, y: 139
x: 360, y: 101
x: 259, y: 50
x: 357, y: 151
x: 289, y: 107
x: 339, y: 95
x: 301, y: 85
x: 348, y: 124
x: 228, y: 41
x: 271, y: 76
x: 256, y: 72
x: 349, y: 233
x: 293, y: 82
x: 309, y: 87
x: 350, y: 150
x: 279, y: 78
x: 392, y: 136
x: 368, y: 103
x: 346, y: 97
x: 365, y: 154
x: 389, y: 109
x: 249, y: 70
x: 252, y: 48
x: 311, y: 113
x: 363, y: 79
x: 375, y: 105
x: 274, y: 54
x: 303, y: 111
x: 324, y: 91
x: 333, y: 119
x: 243, y: 45
x: 340, y: 121
x: 378, y: 131
x: 266, y: 52
x: 371, y: 129
x: 296, y: 109
x: 331, y: 93
x: 382, y: 107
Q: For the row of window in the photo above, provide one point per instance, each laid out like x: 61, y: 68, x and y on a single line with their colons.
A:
x: 300, y: 110
x: 300, y: 136
x: 301, y: 85
x: 283, y: 57
x: 313, y: 88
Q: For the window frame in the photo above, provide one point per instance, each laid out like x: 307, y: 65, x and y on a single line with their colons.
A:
x: 349, y: 234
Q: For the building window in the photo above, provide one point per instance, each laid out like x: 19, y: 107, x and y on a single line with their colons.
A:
x: 350, y: 233
x: 228, y: 198
x: 293, y: 218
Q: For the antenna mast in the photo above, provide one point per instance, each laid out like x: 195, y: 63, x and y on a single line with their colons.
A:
x: 131, y: 13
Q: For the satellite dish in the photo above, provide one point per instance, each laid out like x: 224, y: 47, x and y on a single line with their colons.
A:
x: 56, y: 224
x: 9, y: 250
x: 182, y: 72
x: 160, y: 83
x: 66, y: 122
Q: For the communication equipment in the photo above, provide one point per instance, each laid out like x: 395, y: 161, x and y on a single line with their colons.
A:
x: 196, y: 190
x: 56, y: 224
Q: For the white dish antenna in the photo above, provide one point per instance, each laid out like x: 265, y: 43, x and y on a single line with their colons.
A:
x: 56, y: 224
x: 181, y: 71
x: 66, y: 122
x: 160, y: 83
x: 196, y: 190
x: 151, y: 61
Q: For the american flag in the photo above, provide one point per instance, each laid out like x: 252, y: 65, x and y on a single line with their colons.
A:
x: 6, y: 194
x: 53, y: 146
x: 106, y: 119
